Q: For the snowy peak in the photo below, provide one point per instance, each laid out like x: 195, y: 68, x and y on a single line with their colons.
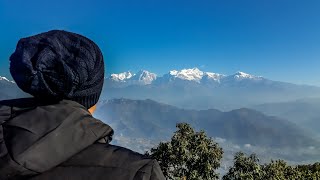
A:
x: 193, y: 74
x: 121, y: 76
x: 174, y: 73
x: 144, y: 77
x: 2, y: 78
x: 213, y: 76
x: 241, y: 76
x: 196, y: 75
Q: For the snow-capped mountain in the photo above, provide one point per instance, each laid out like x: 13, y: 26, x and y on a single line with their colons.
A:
x: 4, y: 79
x: 186, y: 74
x: 144, y: 77
x: 9, y: 89
x: 242, y: 78
x: 196, y: 89
x: 215, y: 77
x: 241, y: 75
x: 122, y: 76
x: 192, y: 75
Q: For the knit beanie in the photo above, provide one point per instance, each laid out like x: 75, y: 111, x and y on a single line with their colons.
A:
x: 59, y: 65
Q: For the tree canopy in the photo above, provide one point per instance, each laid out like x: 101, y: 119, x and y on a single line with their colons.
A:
x: 190, y: 155
x: 248, y: 168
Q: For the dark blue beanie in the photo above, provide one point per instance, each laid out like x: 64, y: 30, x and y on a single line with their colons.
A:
x: 59, y: 65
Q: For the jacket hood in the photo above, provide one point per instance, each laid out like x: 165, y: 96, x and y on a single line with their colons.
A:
x: 36, y: 136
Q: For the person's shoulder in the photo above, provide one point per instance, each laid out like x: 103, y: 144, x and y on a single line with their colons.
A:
x: 116, y: 161
x: 19, y: 102
x: 27, y: 103
x: 103, y: 161
x: 107, y: 155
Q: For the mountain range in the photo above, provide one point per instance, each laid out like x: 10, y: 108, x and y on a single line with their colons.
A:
x: 144, y: 77
x: 195, y: 89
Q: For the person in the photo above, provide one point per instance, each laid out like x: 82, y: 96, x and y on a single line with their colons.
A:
x: 53, y: 134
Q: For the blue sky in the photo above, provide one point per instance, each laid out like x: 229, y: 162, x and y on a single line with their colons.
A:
x: 277, y: 39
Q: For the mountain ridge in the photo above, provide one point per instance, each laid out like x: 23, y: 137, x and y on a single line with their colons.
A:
x: 148, y: 118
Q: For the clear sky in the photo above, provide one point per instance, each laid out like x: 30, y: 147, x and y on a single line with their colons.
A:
x: 277, y: 39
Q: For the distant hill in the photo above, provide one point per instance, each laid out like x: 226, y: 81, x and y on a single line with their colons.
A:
x: 305, y: 112
x: 150, y: 119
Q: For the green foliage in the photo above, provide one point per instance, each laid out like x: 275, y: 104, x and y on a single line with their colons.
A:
x: 192, y: 155
x: 248, y: 168
x: 189, y: 154
x: 280, y: 170
x: 310, y: 171
x: 244, y: 168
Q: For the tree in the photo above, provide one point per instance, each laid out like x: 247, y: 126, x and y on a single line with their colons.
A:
x: 310, y: 171
x: 244, y: 168
x: 190, y: 155
x: 279, y: 169
x: 248, y: 168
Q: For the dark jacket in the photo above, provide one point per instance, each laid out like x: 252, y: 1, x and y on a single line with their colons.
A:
x: 61, y: 140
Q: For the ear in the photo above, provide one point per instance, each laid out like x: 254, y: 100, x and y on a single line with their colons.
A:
x: 92, y: 109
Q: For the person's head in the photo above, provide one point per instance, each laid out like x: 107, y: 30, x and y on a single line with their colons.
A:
x: 59, y: 65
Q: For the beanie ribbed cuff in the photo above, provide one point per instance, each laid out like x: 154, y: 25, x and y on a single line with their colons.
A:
x: 87, y: 101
